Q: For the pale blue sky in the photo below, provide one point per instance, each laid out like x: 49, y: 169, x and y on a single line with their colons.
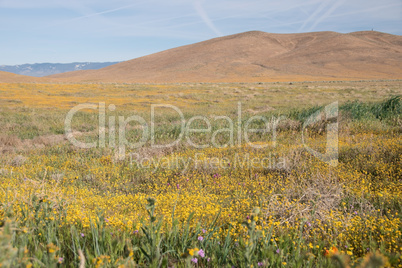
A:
x: 36, y: 31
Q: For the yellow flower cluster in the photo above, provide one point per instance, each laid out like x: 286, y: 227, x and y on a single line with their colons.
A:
x: 344, y: 196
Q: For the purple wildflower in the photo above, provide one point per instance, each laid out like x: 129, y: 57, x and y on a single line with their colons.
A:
x: 260, y: 264
x: 204, y: 231
x: 200, y: 238
x: 278, y: 251
x: 201, y: 253
x: 82, y: 235
x: 195, y: 260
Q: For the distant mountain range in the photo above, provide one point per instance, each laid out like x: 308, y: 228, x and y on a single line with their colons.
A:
x: 44, y: 69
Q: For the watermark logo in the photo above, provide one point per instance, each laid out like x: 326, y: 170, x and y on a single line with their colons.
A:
x: 243, y: 130
x: 207, y: 162
x: 237, y: 132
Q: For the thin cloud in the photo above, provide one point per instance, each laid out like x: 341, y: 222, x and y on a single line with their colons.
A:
x: 326, y: 14
x: 103, y: 12
x: 314, y: 15
x: 204, y: 16
x: 88, y: 13
x: 371, y: 9
x: 94, y: 14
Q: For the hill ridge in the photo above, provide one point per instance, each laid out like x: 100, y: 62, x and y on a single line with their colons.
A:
x: 259, y: 56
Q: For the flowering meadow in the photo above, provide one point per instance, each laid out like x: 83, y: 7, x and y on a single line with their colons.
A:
x: 267, y: 201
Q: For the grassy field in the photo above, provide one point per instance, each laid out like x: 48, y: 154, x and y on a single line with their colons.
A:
x: 227, y: 204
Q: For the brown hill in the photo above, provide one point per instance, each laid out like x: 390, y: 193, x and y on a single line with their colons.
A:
x: 6, y: 77
x: 260, y: 56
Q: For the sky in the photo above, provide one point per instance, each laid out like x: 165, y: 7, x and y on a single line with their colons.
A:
x: 63, y: 31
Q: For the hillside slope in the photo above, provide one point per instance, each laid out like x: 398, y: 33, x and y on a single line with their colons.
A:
x: 260, y: 56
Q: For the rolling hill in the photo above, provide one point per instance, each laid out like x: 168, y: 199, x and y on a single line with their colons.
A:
x: 252, y: 57
x: 260, y: 56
